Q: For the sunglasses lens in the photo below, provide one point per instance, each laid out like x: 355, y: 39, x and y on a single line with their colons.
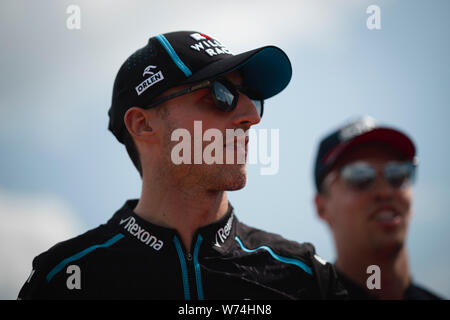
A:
x: 224, y: 97
x: 259, y: 106
x: 399, y: 173
x: 359, y: 175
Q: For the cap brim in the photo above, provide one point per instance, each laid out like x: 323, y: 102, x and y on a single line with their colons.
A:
x: 266, y: 70
x: 387, y: 136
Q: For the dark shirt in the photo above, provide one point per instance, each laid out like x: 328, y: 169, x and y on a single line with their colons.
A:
x: 131, y: 258
x: 357, y: 292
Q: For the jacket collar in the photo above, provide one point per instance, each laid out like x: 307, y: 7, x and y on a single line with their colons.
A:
x: 217, y: 235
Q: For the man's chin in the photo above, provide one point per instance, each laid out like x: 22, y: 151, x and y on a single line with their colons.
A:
x: 237, y: 186
x: 233, y: 178
x: 389, y: 246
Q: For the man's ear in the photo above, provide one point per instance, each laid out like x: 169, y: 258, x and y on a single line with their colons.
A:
x: 139, y: 124
x: 320, y: 201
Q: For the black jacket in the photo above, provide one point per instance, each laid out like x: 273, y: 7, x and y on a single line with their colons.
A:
x: 130, y: 258
x: 356, y: 292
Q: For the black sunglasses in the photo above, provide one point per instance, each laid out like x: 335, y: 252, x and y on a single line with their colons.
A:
x: 361, y: 175
x: 224, y: 93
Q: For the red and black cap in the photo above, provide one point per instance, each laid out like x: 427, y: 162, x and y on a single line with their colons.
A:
x: 183, y: 57
x: 361, y: 131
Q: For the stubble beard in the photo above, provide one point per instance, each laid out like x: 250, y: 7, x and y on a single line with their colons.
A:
x: 389, y: 245
x: 208, y: 177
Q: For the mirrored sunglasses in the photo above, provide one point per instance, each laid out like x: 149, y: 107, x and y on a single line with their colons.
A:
x: 362, y: 175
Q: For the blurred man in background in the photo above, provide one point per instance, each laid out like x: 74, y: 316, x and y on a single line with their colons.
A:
x: 363, y: 176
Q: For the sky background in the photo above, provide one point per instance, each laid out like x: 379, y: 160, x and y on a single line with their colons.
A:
x: 62, y: 172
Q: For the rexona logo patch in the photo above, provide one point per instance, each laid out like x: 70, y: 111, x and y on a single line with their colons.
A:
x: 150, y: 81
x: 136, y: 230
x: 208, y: 45
x: 223, y: 233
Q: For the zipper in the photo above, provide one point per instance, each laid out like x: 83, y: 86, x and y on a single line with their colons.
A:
x: 190, y: 269
x: 184, y: 272
x: 190, y: 276
x: 198, y: 276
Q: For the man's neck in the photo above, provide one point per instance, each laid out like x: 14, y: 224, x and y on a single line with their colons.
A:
x: 183, y: 210
x: 394, y: 271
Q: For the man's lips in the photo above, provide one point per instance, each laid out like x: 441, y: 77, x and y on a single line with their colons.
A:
x: 240, y: 141
x: 238, y: 144
x: 386, y: 215
x: 238, y: 147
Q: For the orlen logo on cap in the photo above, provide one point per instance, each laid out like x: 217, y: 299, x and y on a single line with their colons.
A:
x: 150, y: 81
x: 147, y: 70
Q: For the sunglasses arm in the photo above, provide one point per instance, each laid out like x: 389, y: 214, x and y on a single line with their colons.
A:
x: 201, y: 85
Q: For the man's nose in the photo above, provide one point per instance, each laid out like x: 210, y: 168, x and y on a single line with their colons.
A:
x: 245, y: 112
x: 382, y: 189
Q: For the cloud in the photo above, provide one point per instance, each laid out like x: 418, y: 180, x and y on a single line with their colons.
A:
x: 30, y: 224
x: 59, y: 79
x: 241, y: 24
